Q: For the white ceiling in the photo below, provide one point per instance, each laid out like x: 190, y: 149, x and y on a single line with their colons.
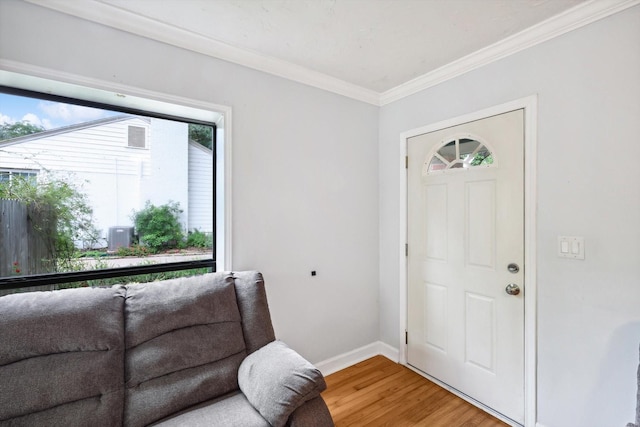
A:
x: 375, y: 44
x: 361, y: 48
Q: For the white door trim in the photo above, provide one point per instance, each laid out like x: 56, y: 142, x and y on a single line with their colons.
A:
x: 529, y: 104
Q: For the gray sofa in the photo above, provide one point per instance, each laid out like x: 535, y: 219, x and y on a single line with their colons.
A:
x: 196, y: 351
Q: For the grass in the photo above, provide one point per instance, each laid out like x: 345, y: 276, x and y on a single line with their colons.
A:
x: 140, y: 278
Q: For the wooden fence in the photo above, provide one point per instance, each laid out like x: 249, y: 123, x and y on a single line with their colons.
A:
x: 26, y: 239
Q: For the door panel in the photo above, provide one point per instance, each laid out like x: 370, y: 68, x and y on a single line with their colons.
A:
x: 480, y: 224
x: 435, y: 209
x: 480, y: 331
x: 465, y: 225
x: 435, y: 326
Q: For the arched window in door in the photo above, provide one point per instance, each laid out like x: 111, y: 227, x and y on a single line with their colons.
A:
x: 460, y: 152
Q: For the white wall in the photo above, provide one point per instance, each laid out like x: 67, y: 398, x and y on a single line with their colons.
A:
x: 305, y: 171
x: 588, y: 83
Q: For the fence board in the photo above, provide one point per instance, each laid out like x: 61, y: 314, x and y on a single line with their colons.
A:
x: 24, y: 246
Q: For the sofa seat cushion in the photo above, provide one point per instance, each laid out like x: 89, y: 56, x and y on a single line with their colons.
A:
x: 61, y: 358
x: 184, y: 345
x: 231, y: 410
x: 277, y: 380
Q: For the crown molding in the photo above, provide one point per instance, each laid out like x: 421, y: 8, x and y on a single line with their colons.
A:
x: 571, y: 19
x: 115, y: 17
x: 112, y: 16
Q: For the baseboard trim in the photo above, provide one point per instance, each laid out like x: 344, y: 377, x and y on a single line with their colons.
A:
x: 352, y: 357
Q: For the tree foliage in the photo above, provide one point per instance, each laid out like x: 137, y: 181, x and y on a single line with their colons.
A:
x: 482, y: 158
x: 159, y: 226
x: 70, y: 208
x: 17, y: 129
x: 202, y: 134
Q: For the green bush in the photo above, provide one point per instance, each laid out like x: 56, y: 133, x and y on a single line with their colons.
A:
x: 159, y: 226
x: 61, y: 195
x: 198, y: 239
x: 135, y: 250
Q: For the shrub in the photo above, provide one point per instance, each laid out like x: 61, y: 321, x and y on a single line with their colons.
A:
x: 198, y: 239
x: 135, y: 250
x: 60, y: 195
x: 159, y: 226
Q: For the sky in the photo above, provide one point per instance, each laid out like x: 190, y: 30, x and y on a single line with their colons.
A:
x: 48, y: 114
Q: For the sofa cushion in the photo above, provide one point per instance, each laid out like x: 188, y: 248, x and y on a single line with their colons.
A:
x: 184, y: 345
x: 277, y: 380
x: 61, y: 358
x: 230, y: 410
x: 254, y: 309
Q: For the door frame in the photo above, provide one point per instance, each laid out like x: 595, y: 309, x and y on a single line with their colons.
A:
x: 529, y: 105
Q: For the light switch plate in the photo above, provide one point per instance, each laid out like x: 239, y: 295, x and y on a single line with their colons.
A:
x: 571, y: 247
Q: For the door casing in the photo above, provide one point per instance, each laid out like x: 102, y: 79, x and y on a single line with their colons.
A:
x: 529, y: 104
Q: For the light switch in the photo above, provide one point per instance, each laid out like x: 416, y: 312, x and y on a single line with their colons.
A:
x: 571, y: 247
x: 575, y: 247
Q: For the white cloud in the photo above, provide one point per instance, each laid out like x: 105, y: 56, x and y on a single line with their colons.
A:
x: 33, y: 119
x: 6, y: 120
x: 70, y: 114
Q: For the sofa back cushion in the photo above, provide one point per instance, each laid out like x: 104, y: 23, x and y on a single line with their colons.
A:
x: 254, y: 309
x: 61, y: 358
x: 184, y: 345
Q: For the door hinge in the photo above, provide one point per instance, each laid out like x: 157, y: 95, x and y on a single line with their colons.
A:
x: 406, y: 249
x: 406, y: 337
x: 406, y: 162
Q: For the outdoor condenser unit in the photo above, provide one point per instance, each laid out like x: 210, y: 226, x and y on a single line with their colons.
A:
x: 120, y: 237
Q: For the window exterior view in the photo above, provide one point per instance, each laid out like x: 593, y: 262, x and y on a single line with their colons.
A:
x: 118, y: 190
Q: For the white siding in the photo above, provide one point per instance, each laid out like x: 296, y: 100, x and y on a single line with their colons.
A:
x: 167, y: 180
x: 99, y: 149
x: 200, y: 188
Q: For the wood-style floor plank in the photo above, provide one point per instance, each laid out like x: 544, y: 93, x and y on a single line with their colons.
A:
x: 379, y: 392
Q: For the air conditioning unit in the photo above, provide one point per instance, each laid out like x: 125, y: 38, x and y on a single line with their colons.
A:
x: 120, y: 237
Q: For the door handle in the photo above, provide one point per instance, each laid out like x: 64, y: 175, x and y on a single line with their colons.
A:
x: 512, y: 289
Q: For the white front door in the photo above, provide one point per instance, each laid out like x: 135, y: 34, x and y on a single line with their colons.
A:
x: 465, y: 259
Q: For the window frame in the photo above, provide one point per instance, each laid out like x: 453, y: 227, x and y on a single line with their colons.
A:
x: 34, y: 280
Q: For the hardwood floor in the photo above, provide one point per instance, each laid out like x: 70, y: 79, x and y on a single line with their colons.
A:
x: 379, y: 392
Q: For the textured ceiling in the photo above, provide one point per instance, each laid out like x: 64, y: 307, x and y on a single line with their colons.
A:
x: 374, y: 44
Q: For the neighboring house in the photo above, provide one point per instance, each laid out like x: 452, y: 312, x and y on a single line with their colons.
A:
x: 121, y: 162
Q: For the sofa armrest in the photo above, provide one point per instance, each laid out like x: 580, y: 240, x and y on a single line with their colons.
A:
x: 276, y: 381
x: 313, y: 413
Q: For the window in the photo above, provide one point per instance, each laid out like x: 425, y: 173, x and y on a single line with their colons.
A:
x: 7, y: 175
x: 460, y: 153
x: 85, y: 208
